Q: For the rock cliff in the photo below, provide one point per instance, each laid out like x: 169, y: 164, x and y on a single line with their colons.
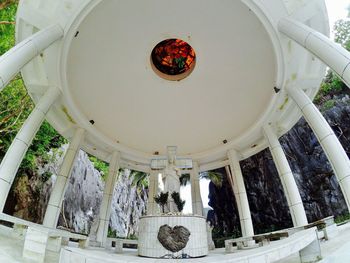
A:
x: 316, y: 181
x: 30, y: 195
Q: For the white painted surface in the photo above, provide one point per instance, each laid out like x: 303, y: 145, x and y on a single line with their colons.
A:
x: 290, y: 187
x: 152, y: 206
x: 17, y: 57
x: 240, y: 193
x: 197, y: 205
x: 332, y: 54
x: 275, y: 251
x: 121, y: 65
x: 106, y: 204
x: 57, y: 195
x: 127, y: 91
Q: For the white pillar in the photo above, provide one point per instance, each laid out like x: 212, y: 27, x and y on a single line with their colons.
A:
x: 17, y: 57
x: 241, y: 195
x: 328, y: 140
x: 331, y: 53
x: 152, y: 208
x: 234, y: 189
x: 290, y: 187
x: 106, y: 205
x: 197, y: 205
x: 56, y: 198
x: 15, y: 154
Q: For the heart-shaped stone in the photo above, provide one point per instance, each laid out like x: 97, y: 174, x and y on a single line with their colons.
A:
x: 173, y: 239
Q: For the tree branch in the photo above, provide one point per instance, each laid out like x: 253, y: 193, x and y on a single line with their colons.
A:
x: 7, y: 3
x: 7, y: 22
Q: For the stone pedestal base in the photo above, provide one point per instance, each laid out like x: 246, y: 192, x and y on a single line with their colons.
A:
x: 149, y: 246
x: 35, y: 244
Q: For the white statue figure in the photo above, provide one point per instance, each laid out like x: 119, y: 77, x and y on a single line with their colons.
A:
x: 171, y: 179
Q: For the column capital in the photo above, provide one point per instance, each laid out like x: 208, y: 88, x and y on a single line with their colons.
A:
x: 77, y: 138
x: 195, y: 167
x: 271, y: 136
x: 299, y: 96
x: 233, y: 155
x: 115, y: 158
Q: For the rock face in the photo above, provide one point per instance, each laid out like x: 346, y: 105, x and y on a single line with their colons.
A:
x: 128, y: 204
x: 224, y: 216
x: 316, y: 181
x: 80, y: 209
x: 83, y: 196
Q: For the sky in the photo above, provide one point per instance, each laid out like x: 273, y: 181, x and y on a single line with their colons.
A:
x: 337, y: 9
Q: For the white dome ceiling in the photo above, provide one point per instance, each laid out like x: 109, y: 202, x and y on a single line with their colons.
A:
x: 111, y: 80
x: 102, y: 65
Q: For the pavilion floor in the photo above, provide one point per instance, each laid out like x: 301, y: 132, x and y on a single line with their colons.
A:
x: 336, y: 250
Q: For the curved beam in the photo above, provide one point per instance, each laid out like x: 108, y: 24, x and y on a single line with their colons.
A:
x: 331, y: 53
x: 18, y: 56
x: 15, y: 154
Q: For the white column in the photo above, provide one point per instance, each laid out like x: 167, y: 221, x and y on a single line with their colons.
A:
x: 234, y: 189
x: 106, y: 205
x: 152, y: 191
x: 241, y: 195
x: 290, y: 187
x: 328, y: 140
x: 15, y: 154
x: 331, y: 53
x: 17, y: 57
x: 197, y: 205
x: 54, y: 207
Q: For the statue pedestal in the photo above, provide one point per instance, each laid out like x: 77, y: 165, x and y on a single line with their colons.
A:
x: 149, y: 245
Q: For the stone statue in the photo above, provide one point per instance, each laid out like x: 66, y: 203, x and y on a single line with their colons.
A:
x: 171, y: 179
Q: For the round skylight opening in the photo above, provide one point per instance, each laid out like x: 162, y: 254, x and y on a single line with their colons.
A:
x: 173, y: 59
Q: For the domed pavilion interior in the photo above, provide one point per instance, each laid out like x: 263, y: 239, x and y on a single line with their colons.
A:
x: 173, y: 89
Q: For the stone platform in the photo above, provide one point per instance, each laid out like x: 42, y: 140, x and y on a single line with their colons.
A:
x: 149, y: 245
x: 284, y: 251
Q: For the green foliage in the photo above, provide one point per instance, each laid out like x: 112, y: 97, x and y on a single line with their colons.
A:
x: 342, y: 33
x: 178, y: 201
x: 161, y: 199
x: 328, y: 105
x: 219, y: 236
x: 16, y: 105
x: 332, y: 84
x: 342, y: 218
x: 215, y: 177
x: 100, y: 166
x: 112, y: 233
x: 140, y: 180
x: 7, y: 31
x: 184, y: 179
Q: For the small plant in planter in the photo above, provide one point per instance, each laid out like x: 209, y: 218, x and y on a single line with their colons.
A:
x: 178, y: 201
x: 162, y: 200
